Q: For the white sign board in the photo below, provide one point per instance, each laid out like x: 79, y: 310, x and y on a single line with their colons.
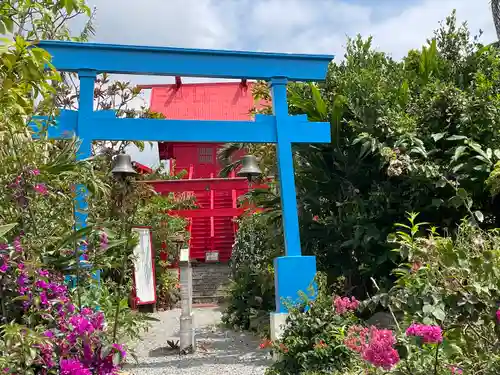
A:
x: 212, y: 256
x: 144, y: 277
x: 184, y: 255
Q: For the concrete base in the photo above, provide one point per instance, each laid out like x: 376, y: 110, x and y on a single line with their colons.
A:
x: 278, y: 321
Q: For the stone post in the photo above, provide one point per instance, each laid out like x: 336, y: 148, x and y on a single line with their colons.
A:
x: 187, y: 338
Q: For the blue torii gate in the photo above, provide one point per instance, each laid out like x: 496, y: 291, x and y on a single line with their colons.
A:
x: 293, y: 272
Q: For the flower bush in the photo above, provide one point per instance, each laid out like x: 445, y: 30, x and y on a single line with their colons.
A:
x: 313, y: 339
x: 46, y: 326
x: 446, y: 300
x: 53, y: 334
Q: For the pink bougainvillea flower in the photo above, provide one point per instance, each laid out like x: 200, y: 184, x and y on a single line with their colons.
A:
x: 103, y: 239
x: 43, y: 273
x: 315, y: 218
x: 48, y: 334
x: 498, y: 315
x: 375, y: 346
x: 81, y: 324
x: 35, y: 172
x: 380, y: 351
x: 42, y: 284
x: 430, y: 334
x: 344, y: 304
x: 357, y: 338
x: 73, y: 367
x: 120, y: 348
x: 456, y: 370
x: 43, y: 299
x: 17, y: 245
x: 41, y: 189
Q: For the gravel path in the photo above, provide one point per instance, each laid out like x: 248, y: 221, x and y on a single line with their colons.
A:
x: 220, y: 351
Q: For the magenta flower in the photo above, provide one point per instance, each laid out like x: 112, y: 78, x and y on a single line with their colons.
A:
x: 35, y: 172
x: 22, y: 280
x: 41, y: 189
x: 498, y: 315
x: 43, y: 298
x: 380, y: 351
x: 103, y: 238
x: 48, y: 334
x: 344, y: 304
x: 375, y: 346
x: 4, y: 268
x: 17, y: 245
x: 42, y: 284
x: 73, y: 367
x: 456, y: 370
x: 430, y: 334
x: 120, y: 349
x: 43, y: 273
x: 81, y: 325
x: 87, y: 311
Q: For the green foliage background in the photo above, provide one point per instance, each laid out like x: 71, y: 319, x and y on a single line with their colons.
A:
x: 419, y: 134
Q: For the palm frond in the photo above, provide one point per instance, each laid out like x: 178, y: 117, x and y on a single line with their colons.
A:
x: 227, y: 151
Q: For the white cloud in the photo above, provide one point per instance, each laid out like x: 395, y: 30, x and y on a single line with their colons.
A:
x: 314, y: 26
x: 300, y: 26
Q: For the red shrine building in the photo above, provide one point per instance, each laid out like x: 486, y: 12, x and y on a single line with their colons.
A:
x: 212, y: 226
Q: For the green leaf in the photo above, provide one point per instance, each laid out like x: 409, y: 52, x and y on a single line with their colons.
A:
x: 438, y: 313
x: 4, y: 229
x: 456, y: 138
x: 437, y: 136
x: 318, y: 101
x: 450, y: 348
x: 75, y: 236
x: 462, y: 193
x: 69, y: 5
x: 459, y: 151
x: 427, y: 308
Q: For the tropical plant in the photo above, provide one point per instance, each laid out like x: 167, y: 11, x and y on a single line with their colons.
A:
x: 418, y: 134
x: 451, y: 283
x: 40, y: 239
x: 251, y: 292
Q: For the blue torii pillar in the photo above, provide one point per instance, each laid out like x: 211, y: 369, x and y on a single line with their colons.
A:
x: 294, y: 272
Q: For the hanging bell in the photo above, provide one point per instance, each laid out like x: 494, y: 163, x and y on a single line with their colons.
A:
x: 249, y: 167
x: 123, y: 165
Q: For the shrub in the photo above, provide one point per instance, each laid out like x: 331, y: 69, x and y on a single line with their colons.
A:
x: 313, y: 340
x: 453, y: 284
x: 167, y: 288
x: 251, y: 292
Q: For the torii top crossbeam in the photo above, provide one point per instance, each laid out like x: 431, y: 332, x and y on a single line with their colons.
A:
x: 165, y: 61
x: 293, y: 271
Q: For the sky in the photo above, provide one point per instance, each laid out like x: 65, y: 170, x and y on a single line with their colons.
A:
x: 292, y: 26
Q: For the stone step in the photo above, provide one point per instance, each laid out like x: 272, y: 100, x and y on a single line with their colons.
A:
x: 210, y: 281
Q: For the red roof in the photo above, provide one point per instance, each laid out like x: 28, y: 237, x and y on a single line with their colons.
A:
x: 203, y: 101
